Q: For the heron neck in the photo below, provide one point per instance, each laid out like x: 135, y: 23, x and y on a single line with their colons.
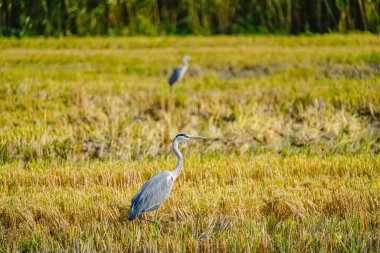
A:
x: 179, y: 166
x: 185, y: 63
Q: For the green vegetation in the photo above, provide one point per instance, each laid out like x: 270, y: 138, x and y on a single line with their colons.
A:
x: 158, y: 17
x: 291, y: 164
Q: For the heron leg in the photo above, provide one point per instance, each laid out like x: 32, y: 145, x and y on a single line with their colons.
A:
x: 152, y: 221
x: 156, y: 218
x: 146, y: 219
x: 156, y: 214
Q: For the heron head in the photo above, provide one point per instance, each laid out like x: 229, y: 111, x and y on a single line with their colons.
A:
x: 183, y: 137
x: 185, y: 58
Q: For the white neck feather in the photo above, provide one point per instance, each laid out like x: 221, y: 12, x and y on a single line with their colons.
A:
x: 179, y: 166
x: 185, y: 63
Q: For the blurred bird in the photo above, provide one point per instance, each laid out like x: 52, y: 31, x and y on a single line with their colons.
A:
x: 179, y: 71
x: 157, y: 189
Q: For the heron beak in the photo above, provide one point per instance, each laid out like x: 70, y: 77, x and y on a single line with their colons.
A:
x: 198, y: 137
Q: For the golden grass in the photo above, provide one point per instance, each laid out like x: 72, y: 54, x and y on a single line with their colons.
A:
x: 291, y: 163
x: 295, y: 202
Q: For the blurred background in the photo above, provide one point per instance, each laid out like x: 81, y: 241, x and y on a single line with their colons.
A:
x: 252, y: 94
x: 206, y: 17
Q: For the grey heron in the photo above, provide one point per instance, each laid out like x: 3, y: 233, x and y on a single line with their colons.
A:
x: 157, y: 189
x: 179, y: 71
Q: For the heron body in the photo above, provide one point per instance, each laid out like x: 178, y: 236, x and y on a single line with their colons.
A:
x: 180, y: 71
x: 152, y: 194
x: 157, y: 189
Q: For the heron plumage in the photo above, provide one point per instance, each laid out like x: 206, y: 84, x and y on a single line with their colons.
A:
x: 175, y: 76
x: 180, y: 71
x: 157, y: 189
x: 151, y: 196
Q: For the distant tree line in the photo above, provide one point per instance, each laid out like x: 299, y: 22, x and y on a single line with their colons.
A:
x: 154, y: 17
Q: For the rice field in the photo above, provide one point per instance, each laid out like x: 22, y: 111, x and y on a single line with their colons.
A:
x: 291, y: 163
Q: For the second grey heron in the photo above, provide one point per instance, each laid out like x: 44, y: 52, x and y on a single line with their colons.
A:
x: 179, y: 71
x: 157, y: 189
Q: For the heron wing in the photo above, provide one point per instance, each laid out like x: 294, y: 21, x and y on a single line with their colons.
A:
x: 154, y: 192
x: 175, y: 75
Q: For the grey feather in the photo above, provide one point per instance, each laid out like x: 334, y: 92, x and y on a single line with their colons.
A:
x: 152, y: 194
x: 175, y: 75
